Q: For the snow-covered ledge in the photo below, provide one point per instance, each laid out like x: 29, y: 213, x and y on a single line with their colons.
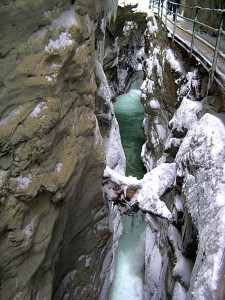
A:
x: 132, y: 194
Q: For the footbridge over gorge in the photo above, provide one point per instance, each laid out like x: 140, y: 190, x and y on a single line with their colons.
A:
x: 186, y: 27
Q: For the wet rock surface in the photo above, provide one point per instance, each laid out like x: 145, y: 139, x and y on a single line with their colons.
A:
x: 53, y: 227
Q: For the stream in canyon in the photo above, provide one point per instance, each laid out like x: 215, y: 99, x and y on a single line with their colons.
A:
x: 129, y: 267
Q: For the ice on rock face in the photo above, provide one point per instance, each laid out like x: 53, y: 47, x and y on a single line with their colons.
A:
x: 115, y: 157
x: 186, y: 115
x: 66, y: 19
x: 183, y: 266
x: 155, y: 265
x: 148, y: 85
x: 109, y: 7
x: 192, y: 83
x: 103, y: 89
x: 152, y: 63
x: 201, y: 162
x: 179, y: 292
x: 174, y: 63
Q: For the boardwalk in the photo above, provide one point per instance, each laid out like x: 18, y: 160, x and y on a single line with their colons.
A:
x: 202, y: 46
x: 201, y: 52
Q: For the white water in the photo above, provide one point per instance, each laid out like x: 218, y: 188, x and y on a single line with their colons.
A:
x: 128, y: 281
x: 129, y: 266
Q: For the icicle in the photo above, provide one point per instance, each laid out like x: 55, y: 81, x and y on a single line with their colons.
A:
x: 109, y: 8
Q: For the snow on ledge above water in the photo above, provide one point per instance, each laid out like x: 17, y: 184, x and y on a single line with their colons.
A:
x: 186, y: 115
x: 149, y: 189
x: 154, y: 185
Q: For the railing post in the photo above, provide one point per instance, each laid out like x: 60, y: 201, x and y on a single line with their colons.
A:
x: 197, y: 8
x: 216, y: 50
x: 175, y: 23
x: 158, y: 8
x: 166, y: 14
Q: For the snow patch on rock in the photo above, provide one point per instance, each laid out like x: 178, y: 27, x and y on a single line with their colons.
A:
x: 154, y: 104
x: 58, y: 167
x: 36, y: 111
x: 62, y: 42
x: 27, y: 231
x: 186, y: 115
x: 175, y: 64
x: 22, y: 182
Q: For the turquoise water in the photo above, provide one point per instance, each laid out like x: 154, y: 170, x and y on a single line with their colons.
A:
x: 130, y: 114
x: 129, y: 265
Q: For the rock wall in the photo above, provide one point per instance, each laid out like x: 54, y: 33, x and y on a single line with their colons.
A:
x: 124, y: 48
x: 184, y: 125
x: 54, y: 228
x: 207, y: 17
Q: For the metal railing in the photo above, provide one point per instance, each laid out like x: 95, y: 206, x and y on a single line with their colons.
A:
x: 164, y: 10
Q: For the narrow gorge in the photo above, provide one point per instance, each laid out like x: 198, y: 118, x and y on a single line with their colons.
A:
x: 94, y: 206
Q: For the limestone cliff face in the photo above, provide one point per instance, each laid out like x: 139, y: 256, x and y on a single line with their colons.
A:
x: 185, y: 125
x: 53, y: 226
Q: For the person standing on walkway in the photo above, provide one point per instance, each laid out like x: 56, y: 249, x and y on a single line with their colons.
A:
x: 175, y: 6
x: 169, y: 7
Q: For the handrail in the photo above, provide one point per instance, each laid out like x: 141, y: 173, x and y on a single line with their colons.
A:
x: 160, y: 7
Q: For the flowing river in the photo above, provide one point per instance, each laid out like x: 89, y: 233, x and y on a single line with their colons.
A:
x: 129, y: 268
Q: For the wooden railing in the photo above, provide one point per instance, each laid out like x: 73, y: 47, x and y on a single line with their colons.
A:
x: 213, y: 58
